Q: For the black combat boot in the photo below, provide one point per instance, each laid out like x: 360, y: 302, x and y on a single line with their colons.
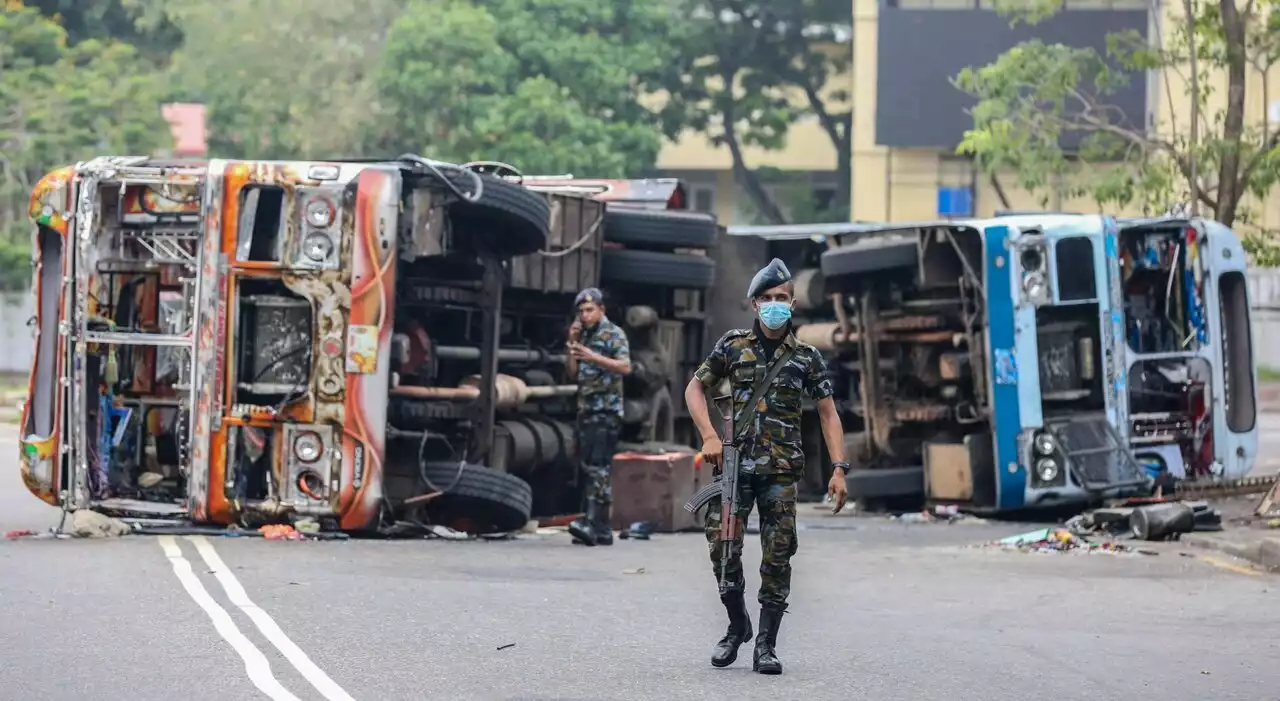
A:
x: 583, y: 529
x: 766, y: 662
x: 601, y: 525
x: 739, y: 630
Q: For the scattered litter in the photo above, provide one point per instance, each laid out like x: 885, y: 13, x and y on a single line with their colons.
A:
x: 307, y: 525
x: 948, y: 513
x: 447, y: 533
x: 508, y: 645
x: 280, y: 532
x: 1057, y: 540
x: 635, y: 570
x: 19, y: 533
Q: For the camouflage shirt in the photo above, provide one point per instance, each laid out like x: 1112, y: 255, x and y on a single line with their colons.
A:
x: 772, y: 444
x: 599, y: 390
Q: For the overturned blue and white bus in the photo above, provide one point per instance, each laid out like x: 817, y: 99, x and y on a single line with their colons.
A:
x: 1029, y: 361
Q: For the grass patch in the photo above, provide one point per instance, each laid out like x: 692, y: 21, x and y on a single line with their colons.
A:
x: 1268, y: 374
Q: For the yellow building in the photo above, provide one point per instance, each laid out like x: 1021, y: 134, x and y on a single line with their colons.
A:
x: 907, y: 117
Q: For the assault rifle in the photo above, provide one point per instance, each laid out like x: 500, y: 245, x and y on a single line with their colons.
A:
x: 725, y: 485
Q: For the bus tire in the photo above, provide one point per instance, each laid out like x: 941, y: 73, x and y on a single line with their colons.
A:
x: 871, y: 256
x: 620, y: 265
x: 668, y: 229
x: 885, y: 483
x: 477, y: 499
x: 508, y: 219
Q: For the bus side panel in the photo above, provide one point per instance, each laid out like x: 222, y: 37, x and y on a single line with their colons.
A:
x: 368, y: 347
x: 1227, y: 314
x: 1011, y: 477
x: 208, y: 368
x: 1113, y: 336
x: 40, y: 461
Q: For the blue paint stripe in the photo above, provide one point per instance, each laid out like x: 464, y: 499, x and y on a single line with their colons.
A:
x: 1010, y: 486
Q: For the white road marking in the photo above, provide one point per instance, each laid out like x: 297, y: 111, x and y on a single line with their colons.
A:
x: 255, y: 663
x: 267, y: 626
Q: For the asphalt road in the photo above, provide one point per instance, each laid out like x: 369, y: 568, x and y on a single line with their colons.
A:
x: 881, y: 610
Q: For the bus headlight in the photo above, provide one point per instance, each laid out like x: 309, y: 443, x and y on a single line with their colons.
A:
x: 317, y: 247
x: 307, y: 447
x: 1033, y: 285
x: 1047, y: 469
x: 1044, y: 444
x: 320, y: 212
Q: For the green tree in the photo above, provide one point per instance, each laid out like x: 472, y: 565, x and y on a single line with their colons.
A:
x: 113, y: 20
x: 1036, y: 94
x: 549, y: 86
x: 62, y: 103
x: 281, y: 79
x: 746, y: 70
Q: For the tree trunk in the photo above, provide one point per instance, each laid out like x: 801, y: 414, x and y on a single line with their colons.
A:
x: 746, y: 177
x: 1230, y: 188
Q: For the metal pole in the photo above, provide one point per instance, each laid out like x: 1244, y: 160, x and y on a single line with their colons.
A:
x: 1193, y: 140
x: 491, y: 293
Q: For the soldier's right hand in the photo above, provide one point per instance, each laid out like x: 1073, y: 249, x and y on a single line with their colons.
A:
x: 713, y: 451
x: 575, y: 330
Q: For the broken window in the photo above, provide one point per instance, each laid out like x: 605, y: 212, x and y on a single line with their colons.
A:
x: 260, y: 223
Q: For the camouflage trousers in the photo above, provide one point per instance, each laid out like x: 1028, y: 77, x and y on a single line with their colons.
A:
x: 775, y: 497
x: 597, y: 442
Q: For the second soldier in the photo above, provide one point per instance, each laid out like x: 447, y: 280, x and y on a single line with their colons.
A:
x: 599, y: 357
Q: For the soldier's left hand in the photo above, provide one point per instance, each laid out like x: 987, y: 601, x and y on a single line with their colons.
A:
x: 837, y: 491
x: 581, y: 352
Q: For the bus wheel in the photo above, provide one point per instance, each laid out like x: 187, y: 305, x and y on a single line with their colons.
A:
x: 507, y: 219
x: 660, y: 229
x: 475, y: 498
x: 620, y: 265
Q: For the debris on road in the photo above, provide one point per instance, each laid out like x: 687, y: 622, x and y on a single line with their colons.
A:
x: 1147, y: 520
x: 640, y: 530
x: 281, y: 532
x: 26, y: 532
x: 946, y: 513
x: 634, y: 570
x: 1057, y: 540
x: 90, y: 524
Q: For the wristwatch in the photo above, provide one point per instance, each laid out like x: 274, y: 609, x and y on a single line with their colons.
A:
x: 840, y: 466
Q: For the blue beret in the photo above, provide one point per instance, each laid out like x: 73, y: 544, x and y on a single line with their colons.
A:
x: 771, y: 275
x: 591, y: 294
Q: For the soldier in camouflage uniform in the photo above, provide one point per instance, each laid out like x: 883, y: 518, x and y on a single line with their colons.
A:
x: 770, y: 455
x: 599, y: 357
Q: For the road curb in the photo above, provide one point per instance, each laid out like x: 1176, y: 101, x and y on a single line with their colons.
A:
x: 1263, y: 552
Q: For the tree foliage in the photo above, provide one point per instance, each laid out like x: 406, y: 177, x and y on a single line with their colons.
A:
x: 745, y: 71
x: 546, y: 85
x: 1035, y: 95
x: 281, y: 79
x: 60, y: 103
x: 123, y: 21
